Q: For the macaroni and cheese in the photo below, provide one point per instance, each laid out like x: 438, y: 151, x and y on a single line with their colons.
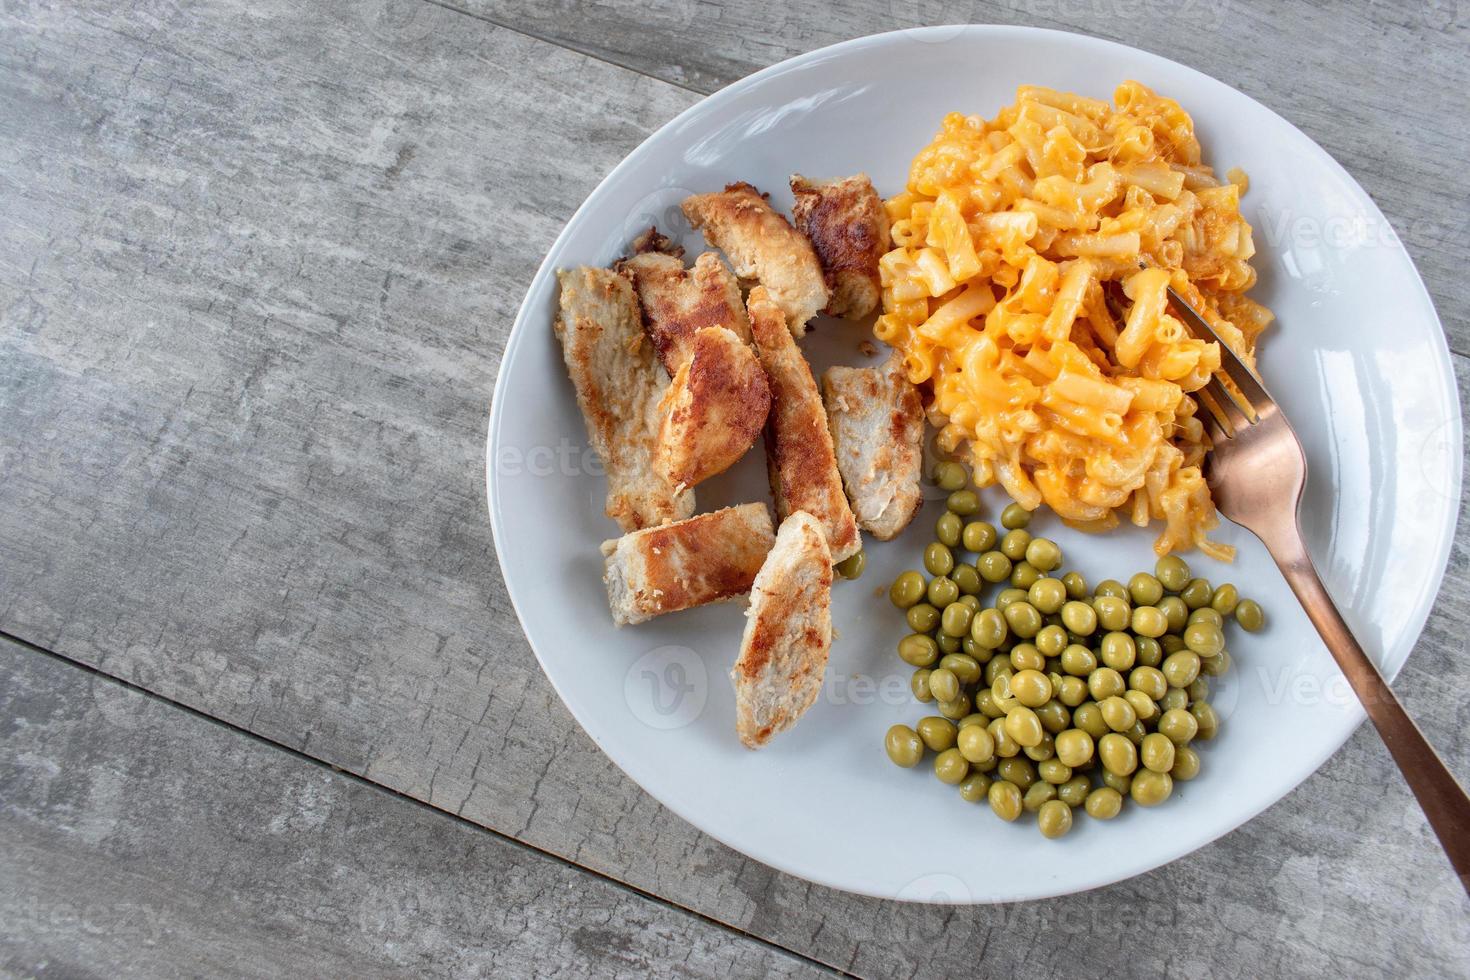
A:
x: 1028, y: 284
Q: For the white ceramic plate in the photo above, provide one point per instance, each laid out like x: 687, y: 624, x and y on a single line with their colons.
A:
x: 1357, y: 358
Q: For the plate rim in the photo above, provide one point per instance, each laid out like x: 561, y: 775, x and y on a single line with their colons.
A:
x: 1424, y: 602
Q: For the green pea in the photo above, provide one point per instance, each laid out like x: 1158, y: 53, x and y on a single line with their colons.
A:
x: 1078, y: 616
x: 938, y: 559
x: 1151, y: 788
x: 1054, y: 716
x: 964, y: 502
x: 1118, y: 651
x: 1173, y: 698
x: 1150, y: 681
x: 1014, y: 544
x: 1181, y: 668
x: 978, y: 537
x: 1178, y: 726
x: 1150, y: 652
x: 1005, y: 746
x: 918, y: 650
x: 1157, y: 753
x: 956, y: 709
x: 993, y: 567
x: 1005, y: 800
x: 1104, y: 683
x: 1111, y: 587
x: 951, y: 767
x: 1199, y: 690
x: 1204, y: 639
x: 1072, y: 691
x: 1148, y: 621
x: 1116, y: 711
x: 955, y: 620
x: 974, y: 787
x: 1103, y: 803
x: 1014, y: 517
x: 1024, y: 575
x: 1051, y: 641
x: 1074, y: 791
x: 996, y: 668
x: 919, y: 684
x: 907, y: 590
x: 1088, y: 717
x: 1023, y: 725
x: 1023, y: 618
x: 1250, y: 616
x: 976, y: 744
x: 1171, y: 643
x: 1032, y: 688
x: 985, y: 704
x: 1038, y: 796
x: 1225, y: 599
x: 1113, y: 613
x: 966, y: 668
x: 967, y: 580
x: 1197, y: 593
x: 1118, y: 755
x: 950, y: 476
x: 938, y: 733
x: 1186, y: 763
x: 947, y: 643
x: 1074, y: 747
x: 1143, y: 705
x: 947, y: 529
x: 1204, y: 614
x: 1144, y: 589
x: 1047, y: 595
x: 1076, y: 585
x: 1172, y: 572
x: 852, y: 566
x: 944, y: 685
x: 904, y: 746
x: 1217, y: 665
x: 1078, y: 661
x: 1209, y: 722
x: 922, y: 618
x: 988, y: 629
x: 1176, y: 613
x: 1018, y: 771
x: 942, y: 591
x: 1044, y: 554
x: 1112, y: 780
x: 1054, y: 819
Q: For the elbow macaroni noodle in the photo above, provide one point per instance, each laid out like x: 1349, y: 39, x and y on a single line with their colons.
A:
x: 1028, y: 286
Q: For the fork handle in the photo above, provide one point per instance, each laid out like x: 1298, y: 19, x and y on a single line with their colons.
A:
x: 1442, y: 798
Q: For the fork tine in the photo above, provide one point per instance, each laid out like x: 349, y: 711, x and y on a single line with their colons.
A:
x: 1212, y: 414
x: 1236, y: 414
x: 1213, y: 429
x: 1235, y: 369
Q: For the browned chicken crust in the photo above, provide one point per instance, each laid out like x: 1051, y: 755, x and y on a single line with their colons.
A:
x: 709, y: 558
x: 877, y: 422
x: 799, y: 454
x: 763, y: 247
x: 848, y: 226
x: 713, y: 410
x: 788, y: 633
x: 618, y: 388
x: 678, y: 302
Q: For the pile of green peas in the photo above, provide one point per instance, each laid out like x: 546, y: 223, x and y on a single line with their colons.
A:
x: 1056, y: 697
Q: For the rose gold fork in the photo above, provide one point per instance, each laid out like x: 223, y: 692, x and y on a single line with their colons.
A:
x: 1257, y: 471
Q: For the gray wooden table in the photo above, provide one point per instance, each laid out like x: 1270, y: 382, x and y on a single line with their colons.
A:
x: 266, y: 708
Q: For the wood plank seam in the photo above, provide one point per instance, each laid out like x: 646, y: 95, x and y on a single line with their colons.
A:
x: 354, y: 777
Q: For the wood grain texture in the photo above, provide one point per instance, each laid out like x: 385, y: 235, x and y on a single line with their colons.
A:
x: 257, y: 264
x: 142, y: 840
x: 1384, y: 87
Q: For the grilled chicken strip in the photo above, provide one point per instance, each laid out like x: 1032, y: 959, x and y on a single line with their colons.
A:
x: 788, y: 633
x: 763, y: 247
x: 678, y: 302
x: 877, y: 423
x: 713, y: 410
x: 619, y: 387
x: 799, y: 454
x: 848, y: 226
x: 709, y: 558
